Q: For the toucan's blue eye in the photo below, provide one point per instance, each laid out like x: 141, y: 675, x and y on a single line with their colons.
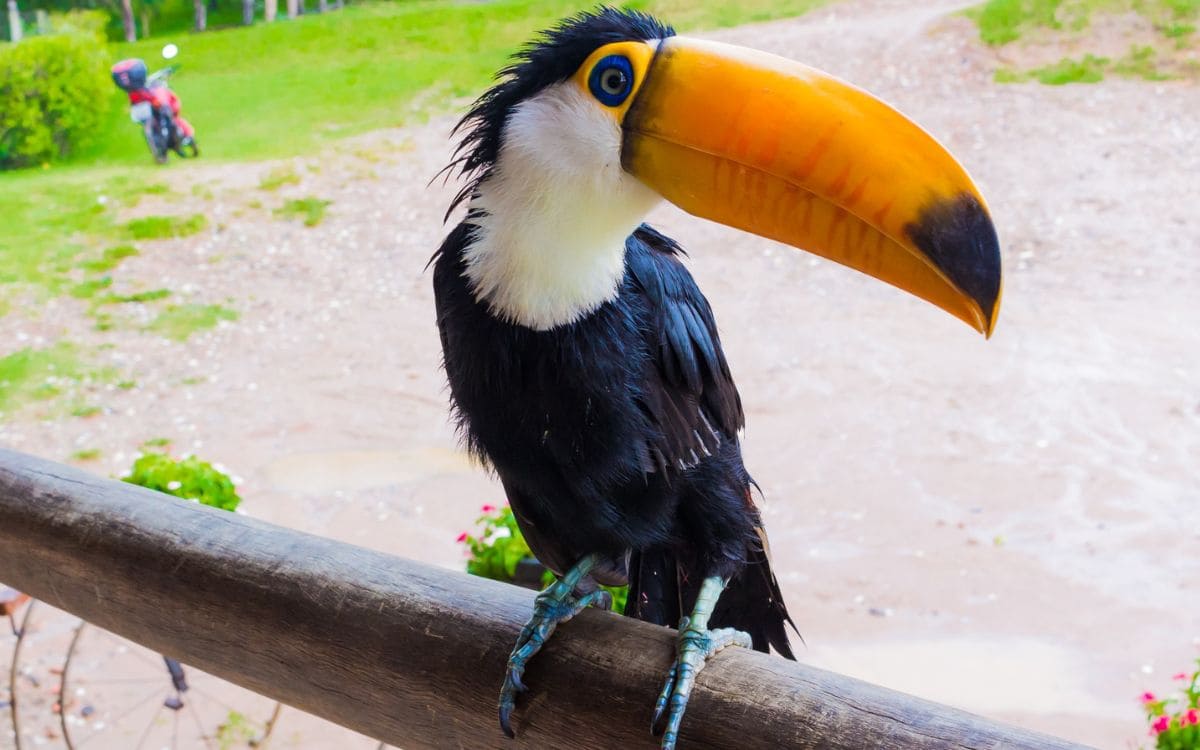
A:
x: 611, y: 80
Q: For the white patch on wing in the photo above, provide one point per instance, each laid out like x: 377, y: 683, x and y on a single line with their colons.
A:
x: 550, y: 247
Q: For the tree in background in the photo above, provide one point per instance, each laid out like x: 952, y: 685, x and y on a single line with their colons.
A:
x: 15, y: 29
x: 127, y: 20
x: 201, y: 15
x: 147, y: 11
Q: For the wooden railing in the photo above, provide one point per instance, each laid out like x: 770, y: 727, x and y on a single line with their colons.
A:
x: 408, y: 653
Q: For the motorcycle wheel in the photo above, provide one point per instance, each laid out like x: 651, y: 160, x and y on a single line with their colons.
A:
x: 154, y: 140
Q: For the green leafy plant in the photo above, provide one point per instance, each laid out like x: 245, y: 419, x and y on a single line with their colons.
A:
x: 498, y: 547
x: 235, y: 731
x: 54, y: 91
x: 188, y: 478
x: 1175, y: 721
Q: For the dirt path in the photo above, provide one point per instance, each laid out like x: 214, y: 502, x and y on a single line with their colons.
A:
x: 1007, y: 526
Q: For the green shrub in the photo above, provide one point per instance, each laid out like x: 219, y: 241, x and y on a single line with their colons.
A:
x: 188, y: 478
x: 54, y: 90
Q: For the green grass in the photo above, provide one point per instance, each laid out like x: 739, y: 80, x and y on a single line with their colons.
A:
x: 278, y: 178
x: 311, y: 209
x: 109, y: 259
x: 179, y: 322
x: 87, y: 454
x: 1004, y: 21
x: 1140, y: 62
x: 88, y: 289
x: 165, y: 227
x: 57, y: 220
x: 137, y: 297
x: 31, y: 375
x: 1088, y: 69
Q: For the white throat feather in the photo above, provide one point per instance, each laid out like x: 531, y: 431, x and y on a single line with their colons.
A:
x: 553, y: 214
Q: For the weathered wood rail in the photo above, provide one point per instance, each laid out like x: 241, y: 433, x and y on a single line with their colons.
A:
x: 408, y: 653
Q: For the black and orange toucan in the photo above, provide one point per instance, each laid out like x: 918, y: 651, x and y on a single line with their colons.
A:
x: 584, y: 363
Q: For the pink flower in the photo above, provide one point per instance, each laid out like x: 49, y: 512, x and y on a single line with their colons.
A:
x: 1182, y: 677
x: 1146, y: 697
x: 488, y: 508
x: 461, y: 537
x: 1162, y: 724
x: 1191, y: 717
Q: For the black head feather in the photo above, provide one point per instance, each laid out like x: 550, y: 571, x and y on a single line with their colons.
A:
x: 552, y: 57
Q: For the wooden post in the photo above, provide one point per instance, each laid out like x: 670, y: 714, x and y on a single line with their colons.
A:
x: 200, y: 15
x: 270, y: 10
x: 247, y: 12
x: 411, y: 654
x: 292, y: 8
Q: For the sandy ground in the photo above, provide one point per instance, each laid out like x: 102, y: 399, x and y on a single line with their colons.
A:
x: 1009, y: 526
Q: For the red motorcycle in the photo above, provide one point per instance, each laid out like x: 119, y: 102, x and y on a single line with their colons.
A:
x: 154, y: 106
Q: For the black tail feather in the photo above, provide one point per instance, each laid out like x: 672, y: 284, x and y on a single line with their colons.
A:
x: 661, y: 591
x: 753, y: 603
x: 654, y: 587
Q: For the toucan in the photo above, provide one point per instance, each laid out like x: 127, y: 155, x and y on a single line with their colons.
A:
x: 584, y: 364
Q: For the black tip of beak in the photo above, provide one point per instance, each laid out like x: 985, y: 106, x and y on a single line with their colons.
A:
x: 959, y: 237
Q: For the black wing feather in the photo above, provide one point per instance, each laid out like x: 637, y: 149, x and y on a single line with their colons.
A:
x: 688, y: 390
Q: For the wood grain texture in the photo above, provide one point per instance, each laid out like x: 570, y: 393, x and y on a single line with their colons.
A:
x: 408, y: 653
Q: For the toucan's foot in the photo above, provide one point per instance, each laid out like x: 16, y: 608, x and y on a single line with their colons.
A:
x: 557, y: 604
x: 696, y: 644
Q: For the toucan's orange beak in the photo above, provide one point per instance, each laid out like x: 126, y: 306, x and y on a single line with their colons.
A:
x: 773, y: 147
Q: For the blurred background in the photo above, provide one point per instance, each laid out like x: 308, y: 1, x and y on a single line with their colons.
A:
x: 1009, y: 526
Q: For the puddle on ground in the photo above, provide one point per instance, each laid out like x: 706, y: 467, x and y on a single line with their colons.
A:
x: 326, y: 472
x: 987, y: 676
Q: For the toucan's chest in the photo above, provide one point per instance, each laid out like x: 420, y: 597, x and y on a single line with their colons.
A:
x: 559, y: 402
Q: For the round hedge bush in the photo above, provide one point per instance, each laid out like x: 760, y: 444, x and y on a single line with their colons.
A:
x: 53, y: 92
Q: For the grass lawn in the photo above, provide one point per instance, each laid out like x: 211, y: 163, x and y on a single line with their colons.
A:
x: 1174, y: 21
x: 1004, y: 21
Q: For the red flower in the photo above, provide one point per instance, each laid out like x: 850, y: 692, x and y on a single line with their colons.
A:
x: 488, y: 508
x: 1146, y: 697
x: 1190, y: 718
x: 1182, y: 677
x: 461, y: 537
x: 1162, y: 724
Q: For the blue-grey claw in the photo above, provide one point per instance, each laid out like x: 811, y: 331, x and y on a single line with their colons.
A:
x: 555, y: 605
x: 694, y: 649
